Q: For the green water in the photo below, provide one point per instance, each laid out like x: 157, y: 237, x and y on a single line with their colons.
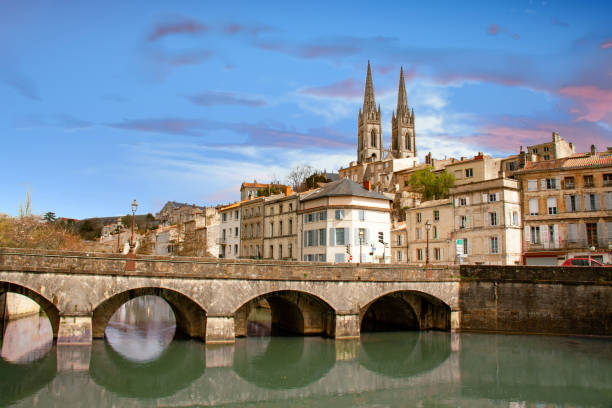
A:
x: 139, y: 365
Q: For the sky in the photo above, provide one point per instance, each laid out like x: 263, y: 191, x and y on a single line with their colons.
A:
x: 106, y: 102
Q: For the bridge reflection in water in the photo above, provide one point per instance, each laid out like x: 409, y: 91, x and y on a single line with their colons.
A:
x: 399, y: 368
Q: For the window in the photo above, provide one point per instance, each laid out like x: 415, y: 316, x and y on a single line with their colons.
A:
x: 235, y: 231
x: 550, y: 184
x: 257, y: 235
x: 280, y: 228
x: 607, y: 178
x: 271, y: 251
x: 591, y: 231
x: 361, y: 236
x: 323, y: 215
x: 236, y: 214
x: 591, y: 202
x: 492, y: 197
x: 290, y: 207
x: 493, y: 218
x: 436, y: 215
x: 545, y: 149
x: 290, y: 226
x: 535, y: 235
x: 463, y: 223
x: 271, y: 210
x: 418, y: 216
x: 398, y: 256
x: 418, y: 233
x: 465, y: 246
x: 322, y: 258
x: 515, y: 218
x: 271, y: 229
x: 373, y: 138
x: 551, y: 204
x: 290, y: 251
x: 435, y: 232
x: 551, y: 235
x: 236, y: 249
x: 462, y: 201
x: 572, y: 203
x: 572, y: 232
x: 339, y: 258
x: 323, y: 237
x: 280, y: 252
x: 224, y: 217
x: 588, y: 181
x: 569, y: 182
x: 419, y: 254
x: 533, y: 206
x: 339, y: 214
x: 361, y: 215
x: 532, y: 185
x: 494, y: 245
x: 469, y: 172
x: 437, y: 254
x: 546, y: 157
x: 340, y: 238
x: 258, y: 211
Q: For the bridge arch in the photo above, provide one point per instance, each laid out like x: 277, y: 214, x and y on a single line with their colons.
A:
x: 291, y: 311
x: 47, y: 305
x: 404, y: 310
x: 189, y: 315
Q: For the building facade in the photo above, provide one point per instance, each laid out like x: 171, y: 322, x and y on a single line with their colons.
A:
x: 567, y: 207
x: 430, y: 244
x: 280, y: 226
x: 344, y: 222
x: 251, y: 233
x: 229, y: 231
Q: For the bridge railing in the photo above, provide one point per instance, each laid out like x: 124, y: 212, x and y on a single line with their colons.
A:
x: 33, y: 260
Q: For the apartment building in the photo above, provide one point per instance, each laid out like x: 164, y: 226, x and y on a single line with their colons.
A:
x: 429, y: 226
x: 487, y: 221
x: 567, y: 207
x: 251, y: 233
x: 344, y: 222
x: 557, y: 148
x: 480, y: 167
x: 280, y: 226
x: 399, y: 243
x: 229, y: 231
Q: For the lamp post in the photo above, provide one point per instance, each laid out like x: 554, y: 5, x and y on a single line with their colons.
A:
x: 360, y: 243
x: 427, y: 228
x: 134, y: 208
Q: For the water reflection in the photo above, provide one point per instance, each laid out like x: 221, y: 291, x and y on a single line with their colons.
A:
x: 141, y: 329
x: 404, y: 354
x: 283, y: 362
x: 26, y: 339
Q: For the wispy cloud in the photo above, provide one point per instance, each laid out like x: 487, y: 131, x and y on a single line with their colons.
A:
x: 20, y: 83
x: 606, y: 44
x: 595, y: 104
x: 348, y: 88
x: 495, y: 29
x: 60, y: 121
x: 555, y: 21
x: 178, y: 26
x: 211, y: 98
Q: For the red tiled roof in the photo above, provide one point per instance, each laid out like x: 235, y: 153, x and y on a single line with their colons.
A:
x: 577, y: 160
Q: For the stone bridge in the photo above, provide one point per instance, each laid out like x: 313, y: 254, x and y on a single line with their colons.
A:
x: 212, y: 298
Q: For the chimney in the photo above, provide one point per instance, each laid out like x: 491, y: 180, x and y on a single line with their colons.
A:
x: 287, y: 190
x: 367, y: 184
x: 555, y: 137
x: 593, y: 150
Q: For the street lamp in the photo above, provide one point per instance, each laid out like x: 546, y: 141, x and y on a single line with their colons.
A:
x: 134, y: 208
x: 361, y: 232
x: 427, y: 228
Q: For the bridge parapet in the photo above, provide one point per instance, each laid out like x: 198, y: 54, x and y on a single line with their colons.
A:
x: 32, y: 260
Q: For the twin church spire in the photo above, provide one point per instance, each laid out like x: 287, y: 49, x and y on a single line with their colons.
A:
x: 369, y: 131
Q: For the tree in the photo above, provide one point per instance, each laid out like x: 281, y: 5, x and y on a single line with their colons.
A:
x: 270, y: 190
x: 126, y: 220
x: 25, y: 209
x: 431, y: 186
x: 298, y: 175
x: 50, y: 217
x: 314, y: 179
x: 30, y: 232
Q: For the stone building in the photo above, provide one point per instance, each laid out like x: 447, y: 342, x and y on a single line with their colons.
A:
x: 557, y: 148
x: 487, y: 221
x: 567, y: 207
x: 399, y: 243
x: 251, y: 232
x: 280, y: 226
x: 177, y: 213
x: 249, y: 190
x: 439, y: 215
x: 344, y: 222
x: 228, y: 238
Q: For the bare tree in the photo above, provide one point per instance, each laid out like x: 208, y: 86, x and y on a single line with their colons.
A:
x: 298, y: 175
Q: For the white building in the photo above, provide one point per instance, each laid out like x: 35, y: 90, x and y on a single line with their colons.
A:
x: 344, y: 222
x: 229, y: 232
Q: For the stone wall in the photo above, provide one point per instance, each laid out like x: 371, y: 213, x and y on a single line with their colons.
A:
x: 536, y: 299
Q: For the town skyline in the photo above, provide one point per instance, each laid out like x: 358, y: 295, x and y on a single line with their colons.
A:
x: 172, y: 106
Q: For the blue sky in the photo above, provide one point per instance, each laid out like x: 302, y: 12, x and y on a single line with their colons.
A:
x: 104, y: 102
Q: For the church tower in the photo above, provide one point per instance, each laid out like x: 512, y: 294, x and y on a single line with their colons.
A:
x: 369, y: 130
x: 402, y: 125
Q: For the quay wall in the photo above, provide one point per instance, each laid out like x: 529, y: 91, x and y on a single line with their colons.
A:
x: 536, y: 299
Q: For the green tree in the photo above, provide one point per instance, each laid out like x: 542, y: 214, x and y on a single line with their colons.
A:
x: 315, y: 178
x: 431, y: 186
x: 126, y: 220
x: 50, y: 217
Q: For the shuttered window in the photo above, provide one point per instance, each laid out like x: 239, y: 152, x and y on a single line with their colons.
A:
x: 533, y: 206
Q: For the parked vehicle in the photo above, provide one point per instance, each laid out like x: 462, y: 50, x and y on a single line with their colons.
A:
x: 582, y: 262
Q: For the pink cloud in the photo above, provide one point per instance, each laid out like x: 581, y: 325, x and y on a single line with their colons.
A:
x: 212, y: 98
x: 493, y: 29
x: 179, y: 27
x: 595, y: 104
x: 237, y: 28
x: 348, y: 88
x: 606, y: 45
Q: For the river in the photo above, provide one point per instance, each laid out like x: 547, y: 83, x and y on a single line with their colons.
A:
x: 141, y: 364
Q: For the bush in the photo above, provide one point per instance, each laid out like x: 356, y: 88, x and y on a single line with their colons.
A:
x: 32, y: 232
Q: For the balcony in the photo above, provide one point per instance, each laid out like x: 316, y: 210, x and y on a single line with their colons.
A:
x: 221, y: 241
x: 569, y: 186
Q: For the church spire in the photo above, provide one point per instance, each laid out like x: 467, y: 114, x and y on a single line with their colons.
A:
x: 369, y: 103
x: 402, y: 100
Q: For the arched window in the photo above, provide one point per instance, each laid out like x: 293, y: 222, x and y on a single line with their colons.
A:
x: 373, y: 138
x: 408, y: 141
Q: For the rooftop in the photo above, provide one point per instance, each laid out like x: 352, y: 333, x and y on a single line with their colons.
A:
x: 343, y: 187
